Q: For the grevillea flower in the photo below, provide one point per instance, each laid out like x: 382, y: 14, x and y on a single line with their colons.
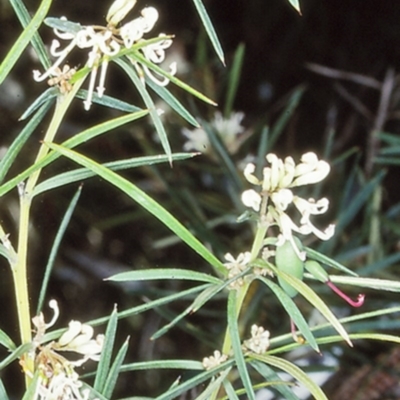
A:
x: 275, y: 196
x: 105, y: 42
x: 236, y: 267
x: 259, y: 341
x: 214, y: 360
x: 230, y: 130
x: 57, y: 378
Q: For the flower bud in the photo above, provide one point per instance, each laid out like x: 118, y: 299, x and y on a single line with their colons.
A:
x: 118, y: 11
x: 287, y: 260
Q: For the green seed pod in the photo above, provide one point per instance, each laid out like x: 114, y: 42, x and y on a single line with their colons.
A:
x: 288, y: 261
x: 315, y: 269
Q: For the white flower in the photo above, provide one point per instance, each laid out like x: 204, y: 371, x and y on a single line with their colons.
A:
x: 215, y: 360
x: 259, y: 341
x: 236, y: 267
x: 197, y: 140
x: 276, y: 195
x: 78, y: 338
x: 57, y: 378
x: 229, y: 130
x: 105, y: 42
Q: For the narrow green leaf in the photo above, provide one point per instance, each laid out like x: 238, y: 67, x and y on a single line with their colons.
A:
x: 3, y: 393
x: 26, y: 36
x: 293, y: 370
x: 76, y: 140
x: 200, y: 300
x: 63, y: 25
x: 20, y: 140
x: 31, y: 392
x: 46, y: 97
x: 370, y: 283
x: 172, y: 101
x: 146, y: 202
x: 103, y: 368
x: 350, y: 210
x: 54, y: 249
x: 163, y: 273
x: 234, y: 79
x: 322, y: 258
x: 15, y: 355
x: 286, y: 114
x: 25, y: 18
x: 108, y: 101
x: 271, y: 376
x: 162, y: 134
x: 112, y: 377
x: 80, y: 174
x: 6, y: 341
x: 314, y: 300
x: 237, y: 346
x: 163, y: 364
x: 191, y: 383
x: 143, y: 60
x: 291, y: 308
x: 205, y: 19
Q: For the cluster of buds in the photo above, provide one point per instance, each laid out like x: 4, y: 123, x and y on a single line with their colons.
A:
x: 259, y: 341
x: 236, y: 266
x: 105, y: 42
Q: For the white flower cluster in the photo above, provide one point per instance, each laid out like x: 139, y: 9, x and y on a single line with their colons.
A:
x: 57, y: 378
x: 276, y: 195
x: 215, y: 360
x: 236, y: 267
x: 106, y: 42
x: 230, y: 130
x: 259, y: 341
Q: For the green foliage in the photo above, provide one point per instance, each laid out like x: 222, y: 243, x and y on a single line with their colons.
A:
x: 196, y: 202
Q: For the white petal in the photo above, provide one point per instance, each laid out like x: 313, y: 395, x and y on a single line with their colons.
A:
x: 250, y: 198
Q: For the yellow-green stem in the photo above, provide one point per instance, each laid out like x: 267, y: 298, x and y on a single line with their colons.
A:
x: 20, y: 267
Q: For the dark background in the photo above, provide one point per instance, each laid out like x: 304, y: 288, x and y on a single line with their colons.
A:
x: 361, y: 37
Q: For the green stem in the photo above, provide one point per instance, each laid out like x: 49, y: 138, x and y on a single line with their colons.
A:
x: 19, y: 268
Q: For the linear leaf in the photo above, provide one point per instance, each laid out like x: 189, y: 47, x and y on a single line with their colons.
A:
x: 140, y: 86
x: 20, y: 140
x: 26, y: 36
x: 80, y: 174
x: 103, y: 367
x: 293, y: 311
x: 112, y: 377
x: 146, y: 202
x: 76, y: 140
x: 54, y: 249
x: 209, y: 29
x: 237, y: 346
x: 163, y: 273
x: 295, y: 371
